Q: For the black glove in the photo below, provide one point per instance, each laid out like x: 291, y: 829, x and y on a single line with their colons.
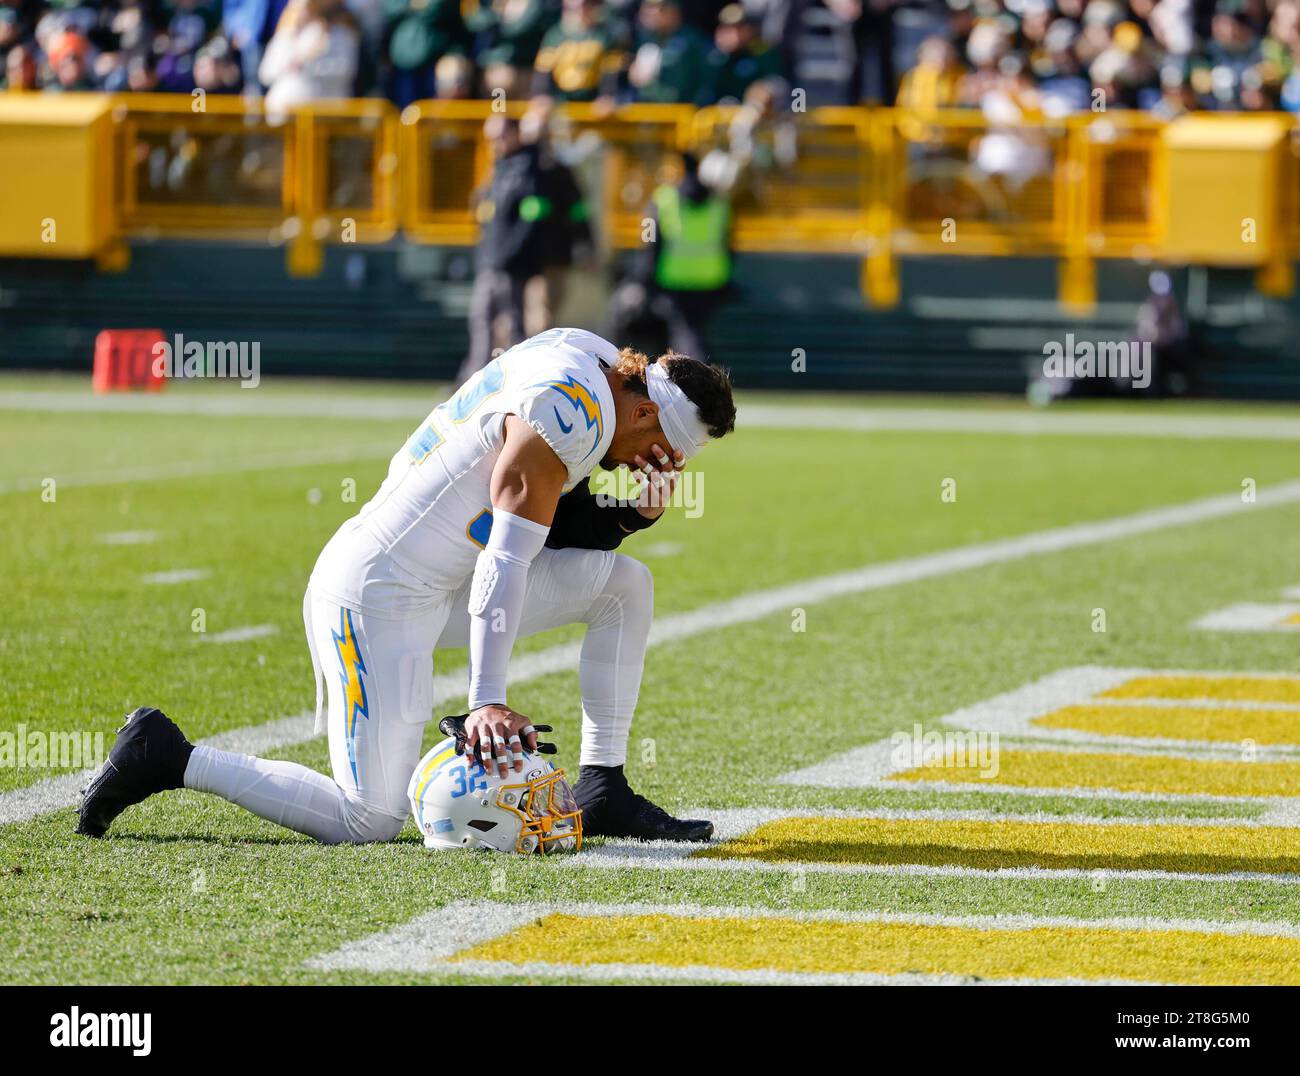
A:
x: 455, y: 728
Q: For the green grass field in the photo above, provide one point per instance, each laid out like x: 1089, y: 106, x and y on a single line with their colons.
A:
x: 189, y: 889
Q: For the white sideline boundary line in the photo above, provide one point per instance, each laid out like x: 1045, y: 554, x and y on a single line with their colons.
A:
x: 427, y: 943
x: 759, y: 604
x: 731, y: 823
x: 864, y: 419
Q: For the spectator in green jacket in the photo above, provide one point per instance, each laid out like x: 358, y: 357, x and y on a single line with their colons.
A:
x: 419, y: 34
x: 670, y: 66
x: 739, y: 57
x: 582, y: 57
x: 513, y: 30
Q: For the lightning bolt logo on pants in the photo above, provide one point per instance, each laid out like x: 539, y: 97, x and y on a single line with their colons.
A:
x: 352, y: 672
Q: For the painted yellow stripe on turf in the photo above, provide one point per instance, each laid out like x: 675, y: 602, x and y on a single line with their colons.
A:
x: 1228, y: 688
x: 1179, y: 722
x: 787, y: 945
x: 1126, y: 773
x: 990, y: 845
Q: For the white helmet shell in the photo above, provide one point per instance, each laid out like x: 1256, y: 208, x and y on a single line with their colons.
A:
x: 458, y: 804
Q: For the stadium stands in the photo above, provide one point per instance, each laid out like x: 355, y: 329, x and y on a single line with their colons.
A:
x: 1029, y: 57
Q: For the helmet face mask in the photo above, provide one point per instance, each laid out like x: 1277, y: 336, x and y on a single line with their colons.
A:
x: 549, y: 815
x: 459, y: 804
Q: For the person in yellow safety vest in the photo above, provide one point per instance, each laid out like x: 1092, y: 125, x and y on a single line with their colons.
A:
x: 693, y: 254
x: 691, y: 248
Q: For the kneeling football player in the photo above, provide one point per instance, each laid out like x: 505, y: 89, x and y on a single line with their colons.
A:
x: 458, y: 548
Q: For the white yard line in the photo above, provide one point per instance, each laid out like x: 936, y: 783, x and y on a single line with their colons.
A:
x: 128, y: 537
x: 661, y: 549
x: 56, y: 793
x: 1025, y: 423
x: 1252, y: 616
x: 1014, y: 714
x: 245, y: 403
x: 200, y: 469
x: 175, y: 576
x: 241, y: 635
x: 762, y: 603
x: 758, y: 604
x: 660, y: 859
x: 990, y: 420
x: 871, y: 765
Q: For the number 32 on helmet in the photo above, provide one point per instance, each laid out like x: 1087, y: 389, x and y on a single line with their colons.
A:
x: 458, y: 804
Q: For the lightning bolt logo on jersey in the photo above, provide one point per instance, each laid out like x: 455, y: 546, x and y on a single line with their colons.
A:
x: 580, y: 398
x: 352, y: 672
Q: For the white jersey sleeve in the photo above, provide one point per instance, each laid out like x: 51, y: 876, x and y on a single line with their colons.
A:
x: 569, y: 417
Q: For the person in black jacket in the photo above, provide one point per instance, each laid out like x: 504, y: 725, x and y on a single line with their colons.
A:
x: 566, y: 239
x: 511, y: 213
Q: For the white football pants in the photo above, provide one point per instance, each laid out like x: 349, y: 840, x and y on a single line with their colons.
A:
x: 378, y: 677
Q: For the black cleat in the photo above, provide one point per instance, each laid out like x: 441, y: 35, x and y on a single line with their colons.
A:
x: 611, y: 809
x: 149, y: 755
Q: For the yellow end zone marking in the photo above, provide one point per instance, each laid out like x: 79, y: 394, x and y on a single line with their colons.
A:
x: 1161, y: 774
x: 1227, y: 688
x: 999, y: 845
x: 1225, y: 723
x: 772, y: 943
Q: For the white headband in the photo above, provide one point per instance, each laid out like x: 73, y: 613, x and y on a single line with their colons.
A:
x: 679, y: 417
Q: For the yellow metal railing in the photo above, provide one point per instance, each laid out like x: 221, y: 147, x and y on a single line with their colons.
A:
x: 225, y: 166
x: 876, y: 183
x: 802, y: 184
x: 445, y: 160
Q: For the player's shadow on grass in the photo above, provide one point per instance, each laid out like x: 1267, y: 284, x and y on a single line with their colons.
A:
x: 288, y: 839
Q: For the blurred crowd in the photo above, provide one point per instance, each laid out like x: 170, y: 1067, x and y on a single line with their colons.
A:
x: 1046, y: 56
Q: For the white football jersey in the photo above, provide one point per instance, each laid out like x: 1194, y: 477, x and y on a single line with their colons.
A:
x: 422, y: 531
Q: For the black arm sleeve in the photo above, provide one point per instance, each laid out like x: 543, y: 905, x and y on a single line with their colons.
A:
x: 581, y: 522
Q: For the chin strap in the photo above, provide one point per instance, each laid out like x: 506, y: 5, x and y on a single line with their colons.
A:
x: 454, y: 727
